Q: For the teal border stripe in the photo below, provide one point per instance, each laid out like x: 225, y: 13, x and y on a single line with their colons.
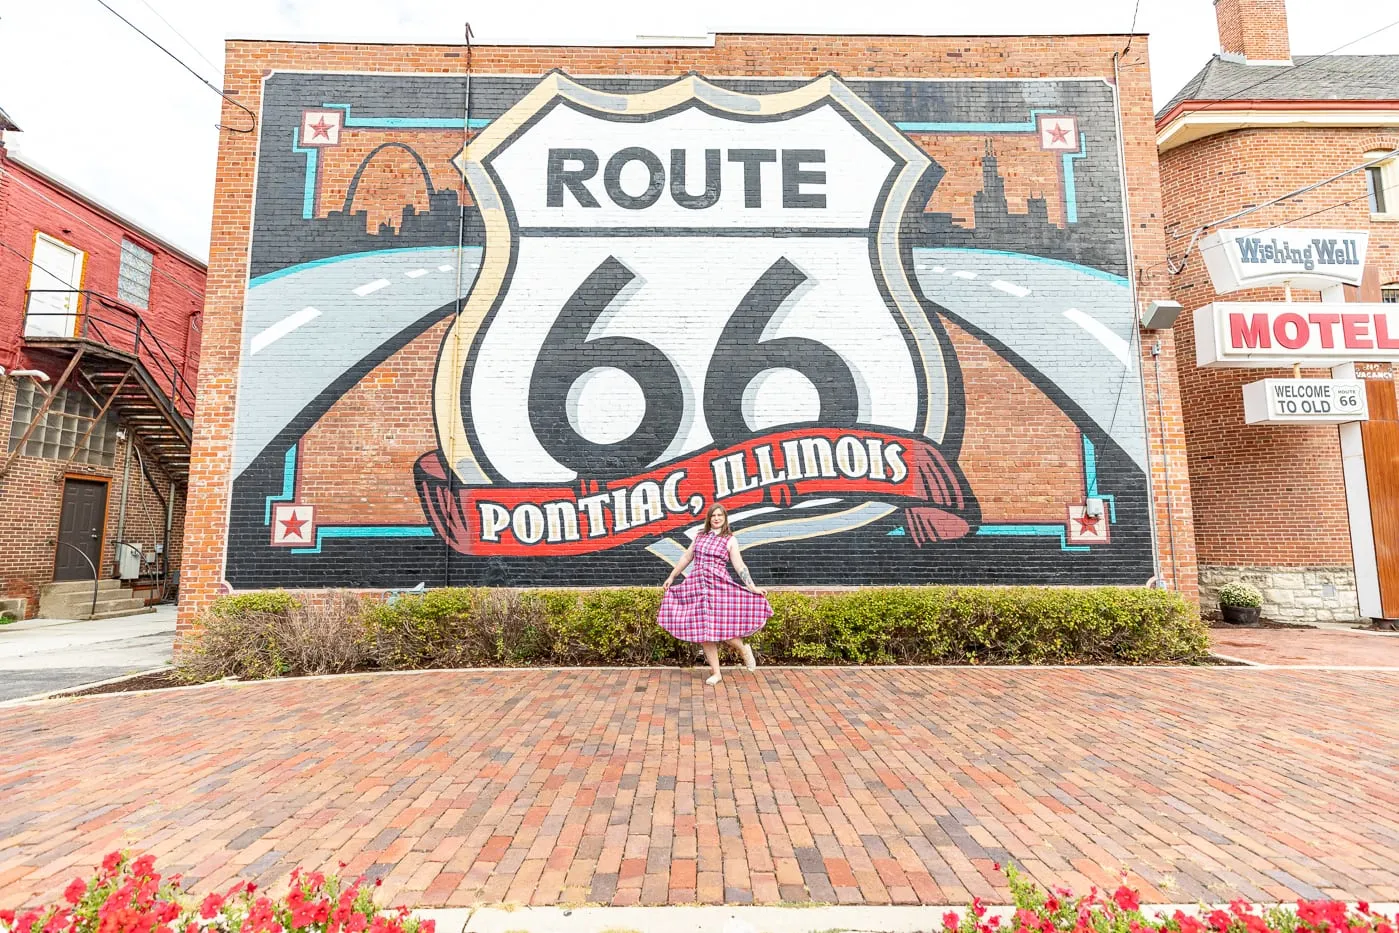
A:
x: 366, y: 531
x: 1030, y: 126
x: 301, y: 266
x: 1090, y: 478
x: 1070, y: 185
x: 308, y: 188
x: 288, y: 483
x: 406, y: 123
x: 1032, y: 531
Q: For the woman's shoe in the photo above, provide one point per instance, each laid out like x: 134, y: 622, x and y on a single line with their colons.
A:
x: 713, y: 679
x: 749, y: 661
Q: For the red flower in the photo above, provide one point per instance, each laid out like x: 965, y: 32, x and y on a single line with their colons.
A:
x: 977, y: 907
x: 75, y: 891
x: 428, y: 926
x: 1363, y: 907
x: 1051, y: 904
x: 1126, y: 899
x: 950, y: 921
x: 211, y: 906
x: 143, y: 866
x: 7, y: 917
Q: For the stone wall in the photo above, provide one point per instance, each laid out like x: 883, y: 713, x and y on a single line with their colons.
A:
x: 1290, y: 594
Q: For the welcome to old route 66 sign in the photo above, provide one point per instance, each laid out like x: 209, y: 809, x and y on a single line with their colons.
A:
x: 690, y: 295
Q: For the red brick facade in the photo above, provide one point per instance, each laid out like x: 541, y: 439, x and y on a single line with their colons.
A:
x: 1269, y: 498
x: 351, y: 460
x: 31, y: 489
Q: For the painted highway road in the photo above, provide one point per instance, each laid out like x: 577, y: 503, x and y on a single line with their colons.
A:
x: 1073, y: 324
x: 305, y: 326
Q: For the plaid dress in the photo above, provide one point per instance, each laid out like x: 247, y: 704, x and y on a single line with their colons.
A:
x: 709, y: 605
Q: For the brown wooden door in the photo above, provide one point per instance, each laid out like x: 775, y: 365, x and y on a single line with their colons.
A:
x: 80, y: 530
x: 1380, y: 437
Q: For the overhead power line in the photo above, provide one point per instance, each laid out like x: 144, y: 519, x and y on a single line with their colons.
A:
x: 190, y: 45
x: 202, y: 80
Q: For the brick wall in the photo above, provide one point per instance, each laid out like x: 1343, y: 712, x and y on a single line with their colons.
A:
x: 31, y: 501
x: 1016, y: 436
x: 1266, y: 496
x: 1255, y: 29
x: 31, y: 491
x: 30, y: 204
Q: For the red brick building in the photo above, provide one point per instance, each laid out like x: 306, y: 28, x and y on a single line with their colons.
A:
x: 99, y: 359
x: 1270, y: 500
x: 515, y: 315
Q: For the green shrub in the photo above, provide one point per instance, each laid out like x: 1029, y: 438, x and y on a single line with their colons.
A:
x: 479, y: 627
x: 258, y: 601
x: 1240, y: 594
x: 250, y: 642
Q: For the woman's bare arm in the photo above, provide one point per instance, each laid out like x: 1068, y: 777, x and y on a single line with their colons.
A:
x: 736, y: 555
x: 680, y: 567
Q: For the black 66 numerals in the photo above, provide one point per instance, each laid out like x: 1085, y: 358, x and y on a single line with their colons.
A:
x: 741, y: 354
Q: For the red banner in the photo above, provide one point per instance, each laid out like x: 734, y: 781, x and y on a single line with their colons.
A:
x: 778, y: 469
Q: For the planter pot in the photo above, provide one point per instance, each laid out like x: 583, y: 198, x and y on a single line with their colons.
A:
x: 1240, y: 615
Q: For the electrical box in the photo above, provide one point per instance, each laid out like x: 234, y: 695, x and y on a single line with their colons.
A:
x: 128, y: 561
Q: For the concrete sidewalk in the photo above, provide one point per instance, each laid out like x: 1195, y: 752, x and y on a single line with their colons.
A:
x: 43, y: 655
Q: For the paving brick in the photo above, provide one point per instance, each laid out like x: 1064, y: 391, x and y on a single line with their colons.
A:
x: 1201, y: 783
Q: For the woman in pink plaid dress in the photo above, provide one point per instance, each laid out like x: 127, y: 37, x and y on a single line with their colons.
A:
x: 709, y: 607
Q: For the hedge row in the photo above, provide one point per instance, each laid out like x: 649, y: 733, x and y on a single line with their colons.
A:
x: 270, y: 634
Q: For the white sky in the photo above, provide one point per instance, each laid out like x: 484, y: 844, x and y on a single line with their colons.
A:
x: 107, y: 111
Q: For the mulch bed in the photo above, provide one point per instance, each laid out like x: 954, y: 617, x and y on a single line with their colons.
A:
x: 1261, y: 623
x: 157, y: 681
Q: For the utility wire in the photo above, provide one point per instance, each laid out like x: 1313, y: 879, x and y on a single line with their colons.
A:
x: 192, y: 47
x: 1175, y: 269
x: 1132, y: 30
x: 203, y: 80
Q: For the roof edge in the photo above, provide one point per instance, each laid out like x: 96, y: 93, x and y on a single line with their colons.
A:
x: 103, y: 208
x: 655, y: 41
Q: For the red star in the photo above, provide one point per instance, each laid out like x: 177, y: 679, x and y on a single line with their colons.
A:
x: 292, y: 526
x: 1057, y: 134
x: 1088, y: 525
x: 321, y: 129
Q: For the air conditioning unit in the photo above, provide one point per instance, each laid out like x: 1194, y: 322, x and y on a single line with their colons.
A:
x: 129, y: 561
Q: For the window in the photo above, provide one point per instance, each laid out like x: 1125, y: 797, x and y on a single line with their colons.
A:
x: 1390, y: 293
x: 1374, y: 185
x: 134, y: 279
x: 1382, y: 184
x: 64, y: 424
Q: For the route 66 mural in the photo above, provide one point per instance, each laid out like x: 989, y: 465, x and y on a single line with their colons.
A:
x: 885, y: 323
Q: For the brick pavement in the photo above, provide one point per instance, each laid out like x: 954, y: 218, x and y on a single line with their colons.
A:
x: 1298, y: 647
x: 643, y: 786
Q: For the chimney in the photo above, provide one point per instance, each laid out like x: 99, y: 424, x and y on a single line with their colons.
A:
x: 1255, y: 30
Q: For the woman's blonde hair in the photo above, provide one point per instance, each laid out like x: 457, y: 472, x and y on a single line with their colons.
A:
x: 724, y: 531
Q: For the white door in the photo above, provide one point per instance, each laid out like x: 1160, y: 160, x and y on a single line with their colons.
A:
x: 54, y: 279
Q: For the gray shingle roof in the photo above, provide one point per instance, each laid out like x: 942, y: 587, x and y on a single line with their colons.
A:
x: 6, y: 123
x: 1311, y: 77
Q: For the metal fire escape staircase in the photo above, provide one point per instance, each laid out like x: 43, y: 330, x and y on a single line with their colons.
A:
x: 113, y: 358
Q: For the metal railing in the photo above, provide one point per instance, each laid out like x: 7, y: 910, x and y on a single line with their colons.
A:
x: 106, y: 321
